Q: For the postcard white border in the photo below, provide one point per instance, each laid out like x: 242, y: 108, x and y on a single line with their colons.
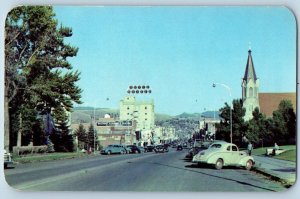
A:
x: 8, y: 192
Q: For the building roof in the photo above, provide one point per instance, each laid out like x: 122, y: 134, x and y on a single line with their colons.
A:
x: 269, y: 102
x: 250, y: 71
x: 105, y: 119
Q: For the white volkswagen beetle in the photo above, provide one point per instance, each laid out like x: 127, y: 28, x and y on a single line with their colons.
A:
x: 222, y: 154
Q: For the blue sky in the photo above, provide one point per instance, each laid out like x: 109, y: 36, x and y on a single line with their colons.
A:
x: 179, y: 51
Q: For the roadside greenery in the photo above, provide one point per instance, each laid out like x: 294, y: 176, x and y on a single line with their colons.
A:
x: 289, y: 154
x: 86, y: 138
x: 260, y: 130
x: 48, y: 157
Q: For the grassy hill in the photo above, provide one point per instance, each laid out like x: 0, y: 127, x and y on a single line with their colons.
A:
x: 85, y: 114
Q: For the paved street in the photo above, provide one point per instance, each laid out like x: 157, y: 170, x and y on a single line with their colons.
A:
x: 134, y: 172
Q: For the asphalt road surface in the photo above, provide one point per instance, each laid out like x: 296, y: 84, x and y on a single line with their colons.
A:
x: 134, y: 172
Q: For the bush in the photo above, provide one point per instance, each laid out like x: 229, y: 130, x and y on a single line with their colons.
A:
x: 25, y: 150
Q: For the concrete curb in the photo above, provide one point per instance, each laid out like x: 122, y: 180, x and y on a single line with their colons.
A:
x: 264, y: 172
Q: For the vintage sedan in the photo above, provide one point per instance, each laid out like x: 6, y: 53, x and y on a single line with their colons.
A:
x: 161, y: 148
x: 222, y: 154
x: 113, y: 149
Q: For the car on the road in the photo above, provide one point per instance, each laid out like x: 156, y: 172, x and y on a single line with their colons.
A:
x: 113, y: 149
x: 195, y: 150
x: 200, y: 145
x: 149, y: 148
x: 7, y: 159
x: 161, y: 148
x: 142, y: 149
x: 222, y: 154
x: 134, y: 149
x: 127, y: 149
x: 179, y: 147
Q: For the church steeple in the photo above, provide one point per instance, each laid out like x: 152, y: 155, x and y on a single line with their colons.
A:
x: 250, y: 71
x: 250, y: 87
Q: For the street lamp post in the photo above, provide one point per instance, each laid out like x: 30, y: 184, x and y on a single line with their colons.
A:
x: 231, y: 105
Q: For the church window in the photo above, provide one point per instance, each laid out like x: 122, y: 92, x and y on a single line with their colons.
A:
x: 251, y: 92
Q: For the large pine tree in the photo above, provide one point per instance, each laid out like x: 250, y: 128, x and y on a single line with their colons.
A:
x: 37, y: 72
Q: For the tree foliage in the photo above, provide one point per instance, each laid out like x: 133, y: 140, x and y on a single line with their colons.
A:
x: 284, y: 123
x: 37, y: 71
x: 92, y: 137
x: 82, y: 137
x: 238, y: 124
x: 260, y: 130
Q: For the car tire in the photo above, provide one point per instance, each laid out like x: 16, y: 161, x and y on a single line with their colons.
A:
x: 136, y: 151
x: 249, y: 165
x: 108, y: 152
x: 219, y: 164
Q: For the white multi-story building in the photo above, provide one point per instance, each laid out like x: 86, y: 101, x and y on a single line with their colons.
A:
x: 142, y: 115
x: 164, y: 134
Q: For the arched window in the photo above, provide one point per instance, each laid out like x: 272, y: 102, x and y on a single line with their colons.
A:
x: 250, y: 92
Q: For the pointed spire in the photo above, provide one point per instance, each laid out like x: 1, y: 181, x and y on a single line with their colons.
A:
x: 250, y: 71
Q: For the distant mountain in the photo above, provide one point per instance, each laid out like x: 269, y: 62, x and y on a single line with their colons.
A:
x: 85, y: 114
x: 211, y: 114
x: 194, y: 116
x: 197, y: 116
x: 163, y: 117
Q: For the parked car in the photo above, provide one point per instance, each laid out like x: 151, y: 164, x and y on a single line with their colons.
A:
x: 7, y: 159
x: 222, y: 154
x: 161, y: 148
x: 127, y: 149
x: 149, y: 148
x: 134, y: 149
x: 195, y: 150
x: 142, y: 149
x: 113, y: 149
x: 200, y: 145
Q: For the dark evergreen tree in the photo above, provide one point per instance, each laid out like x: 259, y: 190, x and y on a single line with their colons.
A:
x: 238, y: 124
x: 82, y: 137
x: 284, y: 123
x: 258, y: 129
x: 92, y: 137
x: 35, y: 56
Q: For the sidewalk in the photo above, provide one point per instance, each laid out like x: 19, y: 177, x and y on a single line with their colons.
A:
x: 284, y: 171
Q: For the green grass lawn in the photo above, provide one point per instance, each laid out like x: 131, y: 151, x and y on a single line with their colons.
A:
x: 289, y: 154
x: 48, y: 157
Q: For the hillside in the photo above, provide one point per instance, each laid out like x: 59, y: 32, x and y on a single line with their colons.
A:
x: 85, y: 114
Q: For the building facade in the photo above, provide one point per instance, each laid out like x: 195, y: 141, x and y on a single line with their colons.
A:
x: 250, y: 89
x: 269, y: 102
x: 164, y: 135
x: 141, y: 114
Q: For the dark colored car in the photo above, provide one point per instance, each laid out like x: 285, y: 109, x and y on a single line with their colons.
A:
x: 194, y: 151
x: 179, y: 147
x: 134, y: 149
x: 149, y: 148
x: 161, y: 148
